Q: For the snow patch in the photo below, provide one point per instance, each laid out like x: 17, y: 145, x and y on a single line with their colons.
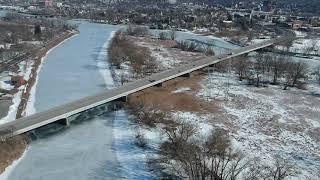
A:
x: 182, y: 90
x: 13, y: 108
x: 197, y: 120
x: 6, y: 86
x: 103, y: 65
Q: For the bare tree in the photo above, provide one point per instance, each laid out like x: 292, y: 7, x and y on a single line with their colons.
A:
x: 294, y: 72
x: 140, y: 139
x: 280, y: 169
x: 317, y: 73
x: 258, y: 67
x: 278, y: 67
x: 241, y: 66
x: 313, y: 44
x: 145, y: 115
x: 172, y: 34
x: 287, y: 44
x: 190, y: 158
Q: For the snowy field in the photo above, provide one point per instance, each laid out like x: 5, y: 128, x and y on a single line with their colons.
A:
x: 268, y: 121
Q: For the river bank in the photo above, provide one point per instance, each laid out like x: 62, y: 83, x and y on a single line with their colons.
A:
x: 13, y: 148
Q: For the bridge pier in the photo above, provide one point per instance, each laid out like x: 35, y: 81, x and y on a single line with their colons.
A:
x: 158, y: 85
x: 188, y: 75
x: 65, y: 121
x: 123, y: 99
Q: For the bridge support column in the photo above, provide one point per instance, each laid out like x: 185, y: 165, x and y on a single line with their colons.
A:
x: 158, y: 85
x: 123, y: 99
x: 188, y: 75
x: 65, y: 121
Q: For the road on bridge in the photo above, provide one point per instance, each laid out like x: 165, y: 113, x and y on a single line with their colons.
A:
x: 34, y: 121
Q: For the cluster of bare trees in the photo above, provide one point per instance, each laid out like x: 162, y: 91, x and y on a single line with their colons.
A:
x: 187, y: 155
x: 312, y: 47
x: 146, y: 115
x: 317, y: 74
x: 270, y: 69
x: 278, y: 170
x: 124, y: 50
x: 167, y: 35
x: 27, y: 28
x: 133, y: 30
x: 195, y: 47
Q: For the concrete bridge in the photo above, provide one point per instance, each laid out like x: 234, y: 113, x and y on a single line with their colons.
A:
x: 63, y: 112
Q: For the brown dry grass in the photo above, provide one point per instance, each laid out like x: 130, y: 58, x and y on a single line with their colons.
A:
x: 11, y: 149
x: 165, y: 100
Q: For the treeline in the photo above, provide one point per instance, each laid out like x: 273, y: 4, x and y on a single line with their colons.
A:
x: 192, y: 46
x: 185, y: 45
x: 270, y: 69
x: 185, y: 154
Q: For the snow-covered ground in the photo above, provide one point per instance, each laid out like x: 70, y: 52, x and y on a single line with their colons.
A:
x: 304, y: 46
x: 6, y: 86
x: 198, y: 120
x: 182, y: 90
x: 256, y: 41
x: 268, y: 121
x: 162, y: 56
x: 103, y: 64
x: 25, y: 71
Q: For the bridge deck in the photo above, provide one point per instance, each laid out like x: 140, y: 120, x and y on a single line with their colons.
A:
x: 34, y: 121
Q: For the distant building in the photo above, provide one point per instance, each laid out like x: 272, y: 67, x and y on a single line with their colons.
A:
x: 17, y: 81
x: 297, y: 24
